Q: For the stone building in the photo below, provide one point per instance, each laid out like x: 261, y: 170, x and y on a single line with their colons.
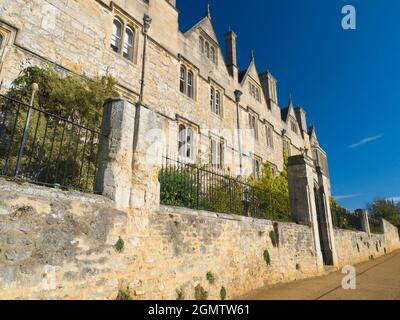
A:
x: 187, y: 79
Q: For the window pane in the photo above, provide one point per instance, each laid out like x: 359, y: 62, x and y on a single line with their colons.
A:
x: 207, y: 50
x: 189, y: 145
x: 182, y: 79
x: 116, y: 35
x: 212, y: 92
x: 190, y: 84
x: 128, y: 43
x: 217, y: 102
x: 1, y: 41
x: 212, y: 54
x: 182, y: 140
x: 201, y: 45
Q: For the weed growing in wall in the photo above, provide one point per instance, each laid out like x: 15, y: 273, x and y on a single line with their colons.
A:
x: 119, y: 245
x: 180, y: 295
x: 274, y: 238
x: 267, y: 257
x: 123, y: 295
x: 210, y: 277
x: 222, y: 293
x: 200, y: 293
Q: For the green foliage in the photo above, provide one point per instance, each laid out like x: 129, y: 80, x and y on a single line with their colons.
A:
x: 385, y: 209
x: 180, y: 294
x: 22, y: 211
x: 341, y: 217
x: 119, y: 245
x: 178, y: 187
x: 210, y: 277
x: 200, y: 293
x: 73, y: 97
x: 274, y: 236
x: 55, y: 150
x: 222, y: 293
x: 272, y: 193
x: 123, y: 295
x: 267, y: 257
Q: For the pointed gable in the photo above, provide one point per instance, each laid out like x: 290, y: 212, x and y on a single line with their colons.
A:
x: 313, y: 135
x: 251, y: 72
x: 288, y: 112
x: 206, y: 26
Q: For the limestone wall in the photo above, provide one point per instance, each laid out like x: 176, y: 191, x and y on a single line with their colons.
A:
x: 57, y: 244
x: 353, y: 247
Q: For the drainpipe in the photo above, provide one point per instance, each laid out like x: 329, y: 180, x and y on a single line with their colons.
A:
x: 238, y: 94
x: 146, y: 26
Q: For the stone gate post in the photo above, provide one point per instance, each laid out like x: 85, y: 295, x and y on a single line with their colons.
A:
x: 363, y: 214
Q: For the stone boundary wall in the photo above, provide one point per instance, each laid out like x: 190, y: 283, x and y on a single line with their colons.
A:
x: 354, y: 247
x: 61, y: 245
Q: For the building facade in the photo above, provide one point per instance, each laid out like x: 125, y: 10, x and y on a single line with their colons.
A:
x: 188, y: 79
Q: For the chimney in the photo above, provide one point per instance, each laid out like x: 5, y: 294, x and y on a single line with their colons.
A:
x: 268, y: 84
x: 231, y: 56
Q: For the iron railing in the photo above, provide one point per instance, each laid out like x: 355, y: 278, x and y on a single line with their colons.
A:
x: 187, y: 185
x: 344, y: 219
x: 375, y: 225
x: 45, y: 148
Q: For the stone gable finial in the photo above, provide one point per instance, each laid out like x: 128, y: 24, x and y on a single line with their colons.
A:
x: 252, y: 59
x: 209, y: 11
x: 290, y: 100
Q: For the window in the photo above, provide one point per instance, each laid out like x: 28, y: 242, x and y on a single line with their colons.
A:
x: 116, y: 37
x: 286, y: 148
x: 207, y: 49
x: 212, y: 95
x: 215, y: 101
x: 190, y: 85
x: 217, y: 153
x: 1, y: 41
x: 186, y: 82
x: 293, y: 126
x: 182, y: 86
x: 185, y: 144
x: 254, y: 92
x: 201, y: 44
x: 253, y: 125
x: 269, y: 132
x: 212, y: 54
x: 256, y: 169
x: 207, y: 52
x: 128, y: 43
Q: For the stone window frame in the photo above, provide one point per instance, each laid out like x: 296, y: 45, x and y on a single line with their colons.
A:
x: 254, y: 90
x: 189, y: 91
x: 8, y: 34
x: 253, y: 123
x: 286, y: 142
x: 216, y: 90
x: 257, y: 163
x: 208, y: 48
x: 293, y: 125
x: 195, y: 129
x: 130, y: 23
x: 220, y: 143
x: 269, y: 135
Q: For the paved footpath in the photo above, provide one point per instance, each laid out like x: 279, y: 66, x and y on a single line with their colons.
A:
x: 376, y: 280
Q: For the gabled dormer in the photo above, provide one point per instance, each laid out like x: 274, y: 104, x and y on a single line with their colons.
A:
x: 313, y: 136
x: 288, y: 116
x: 250, y: 81
x: 207, y: 40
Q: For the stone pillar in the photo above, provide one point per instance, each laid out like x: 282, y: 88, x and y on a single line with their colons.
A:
x: 114, y: 177
x: 301, y: 193
x: 363, y: 215
x: 149, y: 143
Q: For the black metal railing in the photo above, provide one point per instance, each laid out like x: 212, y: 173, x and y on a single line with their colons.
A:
x: 187, y: 185
x: 344, y: 219
x: 45, y: 148
x: 375, y: 225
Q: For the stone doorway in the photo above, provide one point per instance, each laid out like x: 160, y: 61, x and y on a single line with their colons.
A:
x: 323, y: 227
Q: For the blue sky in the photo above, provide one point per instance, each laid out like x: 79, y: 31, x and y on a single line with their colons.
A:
x: 347, y: 80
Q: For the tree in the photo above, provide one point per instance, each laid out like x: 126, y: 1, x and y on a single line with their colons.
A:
x: 386, y: 209
x: 272, y: 193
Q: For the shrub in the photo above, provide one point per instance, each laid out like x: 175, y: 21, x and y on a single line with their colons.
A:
x: 180, y: 294
x: 200, y: 293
